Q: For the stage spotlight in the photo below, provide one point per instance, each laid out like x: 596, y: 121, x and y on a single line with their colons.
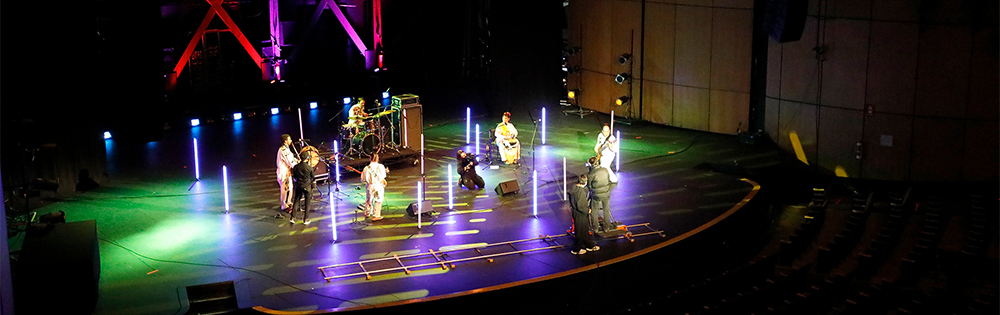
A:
x: 624, y: 58
x: 572, y: 94
x: 107, y: 135
x: 622, y: 77
x: 195, y: 122
x: 385, y: 95
x: 274, y: 111
x: 622, y: 100
x: 347, y: 100
x: 313, y: 105
x: 237, y: 116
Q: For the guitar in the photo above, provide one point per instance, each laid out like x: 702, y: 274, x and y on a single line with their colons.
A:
x: 601, y: 148
x: 361, y: 173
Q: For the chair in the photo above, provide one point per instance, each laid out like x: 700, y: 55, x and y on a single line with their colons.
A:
x: 492, y: 147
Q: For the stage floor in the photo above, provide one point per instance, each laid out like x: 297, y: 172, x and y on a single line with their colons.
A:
x: 161, y: 230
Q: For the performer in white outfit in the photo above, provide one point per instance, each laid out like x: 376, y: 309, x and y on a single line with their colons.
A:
x: 607, y: 149
x: 506, y: 134
x: 374, y: 176
x: 286, y: 160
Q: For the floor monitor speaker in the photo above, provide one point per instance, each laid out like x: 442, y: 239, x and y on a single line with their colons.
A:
x: 508, y: 187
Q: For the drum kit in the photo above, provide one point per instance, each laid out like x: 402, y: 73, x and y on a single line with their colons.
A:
x: 368, y: 135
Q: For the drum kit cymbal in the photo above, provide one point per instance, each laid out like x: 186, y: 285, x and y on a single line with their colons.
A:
x: 367, y: 135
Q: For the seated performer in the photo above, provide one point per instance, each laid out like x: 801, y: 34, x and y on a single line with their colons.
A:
x: 356, y: 116
x: 509, y: 147
x: 467, y: 170
x: 607, y: 149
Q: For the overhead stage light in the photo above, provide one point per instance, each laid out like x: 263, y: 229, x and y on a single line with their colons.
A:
x: 572, y: 94
x: 195, y: 122
x: 622, y: 77
x: 313, y: 105
x: 107, y: 135
x: 624, y: 58
x: 385, y: 95
x: 622, y: 100
x: 274, y: 111
x: 347, y: 100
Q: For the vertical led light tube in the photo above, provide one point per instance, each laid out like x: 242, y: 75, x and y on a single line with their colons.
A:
x: 468, y: 121
x: 336, y: 161
x: 302, y: 135
x: 420, y: 199
x: 197, y: 169
x: 225, y: 186
x: 421, y: 156
x: 564, y: 179
x: 333, y: 217
x: 618, y: 157
x: 534, y: 193
x: 451, y: 204
x: 477, y: 139
x: 543, y: 125
x: 612, y: 120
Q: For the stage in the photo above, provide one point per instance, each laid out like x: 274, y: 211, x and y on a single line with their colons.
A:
x: 161, y: 230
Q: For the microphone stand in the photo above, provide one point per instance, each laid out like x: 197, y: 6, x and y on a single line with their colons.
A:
x: 533, y: 132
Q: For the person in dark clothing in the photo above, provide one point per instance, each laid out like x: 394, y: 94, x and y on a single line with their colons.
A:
x: 467, y: 170
x: 303, y: 174
x: 599, y: 183
x: 579, y: 205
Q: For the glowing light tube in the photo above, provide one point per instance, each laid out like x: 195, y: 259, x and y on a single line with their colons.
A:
x: 336, y: 161
x: 477, y: 139
x: 451, y: 204
x: 197, y: 169
x: 564, y: 179
x: 302, y: 135
x: 225, y: 186
x: 468, y: 119
x: 420, y: 199
x: 534, y: 193
x: 333, y: 217
x: 618, y: 157
x: 421, y: 155
x: 543, y: 125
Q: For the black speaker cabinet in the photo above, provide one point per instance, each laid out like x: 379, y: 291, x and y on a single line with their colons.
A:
x: 425, y: 207
x: 508, y: 187
x: 411, y: 126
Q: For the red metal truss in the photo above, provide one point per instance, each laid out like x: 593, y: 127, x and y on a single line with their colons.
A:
x: 330, y: 4
x: 215, y: 9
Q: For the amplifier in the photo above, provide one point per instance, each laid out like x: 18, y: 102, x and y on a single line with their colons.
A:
x: 405, y: 99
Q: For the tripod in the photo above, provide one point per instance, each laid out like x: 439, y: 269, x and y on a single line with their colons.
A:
x: 579, y: 111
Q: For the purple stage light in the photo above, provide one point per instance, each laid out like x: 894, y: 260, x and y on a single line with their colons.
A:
x: 197, y: 169
x: 225, y: 186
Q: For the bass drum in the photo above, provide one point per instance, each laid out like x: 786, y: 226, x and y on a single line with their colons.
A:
x: 367, y: 143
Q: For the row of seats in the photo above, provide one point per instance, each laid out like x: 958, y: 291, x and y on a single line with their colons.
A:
x: 771, y: 286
